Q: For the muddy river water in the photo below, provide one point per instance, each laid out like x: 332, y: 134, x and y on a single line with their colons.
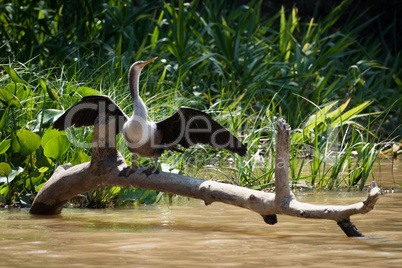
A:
x: 189, y: 234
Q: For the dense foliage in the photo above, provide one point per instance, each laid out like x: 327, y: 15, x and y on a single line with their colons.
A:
x: 340, y: 93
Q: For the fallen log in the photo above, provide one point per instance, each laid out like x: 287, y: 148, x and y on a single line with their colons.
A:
x: 107, y: 163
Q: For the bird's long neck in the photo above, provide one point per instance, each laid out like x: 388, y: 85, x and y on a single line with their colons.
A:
x: 133, y: 84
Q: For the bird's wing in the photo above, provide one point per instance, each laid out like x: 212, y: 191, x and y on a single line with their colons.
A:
x: 87, y: 110
x: 188, y: 127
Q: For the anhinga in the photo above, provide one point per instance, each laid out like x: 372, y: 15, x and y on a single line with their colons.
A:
x: 186, y: 127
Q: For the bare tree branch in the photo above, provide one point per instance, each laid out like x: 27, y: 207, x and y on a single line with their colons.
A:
x: 107, y: 163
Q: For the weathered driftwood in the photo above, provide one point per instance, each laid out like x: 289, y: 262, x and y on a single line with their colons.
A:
x: 106, y: 164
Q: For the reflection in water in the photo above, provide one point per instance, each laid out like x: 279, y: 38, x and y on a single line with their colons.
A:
x: 191, y: 234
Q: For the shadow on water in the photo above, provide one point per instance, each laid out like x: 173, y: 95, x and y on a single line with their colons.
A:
x: 191, y: 234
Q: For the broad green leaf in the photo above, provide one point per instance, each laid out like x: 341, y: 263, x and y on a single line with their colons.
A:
x: 28, y: 140
x: 5, y: 95
x: 5, y: 169
x: 155, y: 34
x: 90, y: 137
x: 51, y: 134
x: 8, y: 98
x: 80, y: 158
x: 4, y: 145
x: 87, y: 91
x: 56, y: 147
x: 35, y: 178
x: 148, y: 196
x: 350, y: 114
x: 319, y: 116
x: 3, y: 117
x: 14, y: 75
x: 37, y: 188
x: 338, y: 111
x: 314, y: 121
x: 15, y: 145
x: 43, y: 169
x: 52, y: 94
x: 322, y: 115
x: 143, y: 195
x: 49, y: 115
x: 42, y: 84
x: 44, y: 161
x: 114, y: 190
x: 14, y: 173
x: 4, y: 189
x: 162, y: 78
x: 127, y: 193
x: 282, y: 32
x: 16, y: 89
x: 22, y: 95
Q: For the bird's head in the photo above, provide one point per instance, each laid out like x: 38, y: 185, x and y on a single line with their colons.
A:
x: 141, y: 64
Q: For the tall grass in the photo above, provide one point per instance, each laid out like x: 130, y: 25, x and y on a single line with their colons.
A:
x: 218, y: 56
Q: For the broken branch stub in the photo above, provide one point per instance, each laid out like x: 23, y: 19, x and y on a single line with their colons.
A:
x: 283, y: 194
x: 107, y: 163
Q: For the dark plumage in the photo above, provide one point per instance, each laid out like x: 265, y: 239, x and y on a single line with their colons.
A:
x: 201, y: 128
x: 84, y: 113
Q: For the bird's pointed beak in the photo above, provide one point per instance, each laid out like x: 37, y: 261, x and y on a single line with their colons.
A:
x: 148, y: 61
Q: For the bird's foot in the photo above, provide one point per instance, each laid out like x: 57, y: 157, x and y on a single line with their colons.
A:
x: 127, y: 171
x: 150, y: 171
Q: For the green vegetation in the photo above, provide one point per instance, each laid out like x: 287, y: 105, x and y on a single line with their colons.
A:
x: 340, y: 93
